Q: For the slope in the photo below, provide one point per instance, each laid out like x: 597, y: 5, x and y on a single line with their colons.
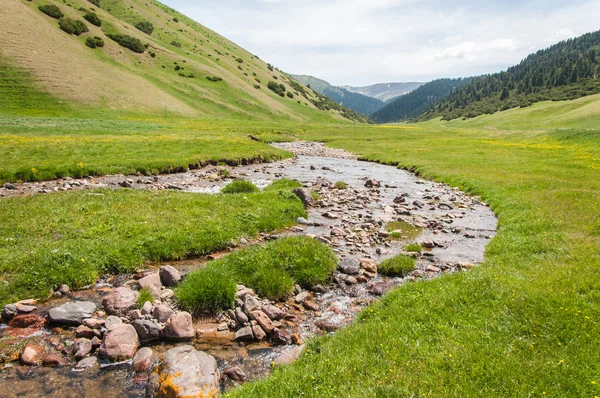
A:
x: 181, y: 67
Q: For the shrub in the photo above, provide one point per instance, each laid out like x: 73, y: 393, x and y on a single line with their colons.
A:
x: 290, y: 95
x: 92, y: 18
x: 72, y: 27
x: 341, y: 185
x: 51, y: 10
x: 176, y: 44
x: 413, y: 247
x: 145, y: 26
x: 145, y: 295
x: 257, y: 86
x: 270, y: 67
x: 214, y: 78
x: 278, y: 89
x: 240, y: 186
x: 207, y: 290
x: 239, y: 60
x: 93, y: 42
x: 284, y: 183
x: 129, y: 42
x: 95, y: 2
x: 175, y: 20
x: 397, y: 266
x: 152, y: 54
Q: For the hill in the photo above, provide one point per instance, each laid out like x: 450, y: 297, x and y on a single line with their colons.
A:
x: 137, y: 56
x: 413, y: 104
x: 357, y: 102
x: 385, y: 91
x: 564, y: 71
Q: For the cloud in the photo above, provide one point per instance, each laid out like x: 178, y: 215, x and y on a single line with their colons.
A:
x: 362, y: 42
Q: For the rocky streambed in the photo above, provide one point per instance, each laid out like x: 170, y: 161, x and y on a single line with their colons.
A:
x: 97, y: 342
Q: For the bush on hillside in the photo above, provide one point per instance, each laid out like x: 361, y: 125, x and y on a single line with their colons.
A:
x: 214, y: 78
x: 145, y: 26
x: 93, y: 42
x: 240, y: 186
x: 278, y: 89
x: 95, y: 2
x: 129, y: 42
x: 290, y: 95
x: 177, y: 44
x: 92, y: 18
x: 72, y: 27
x: 51, y: 10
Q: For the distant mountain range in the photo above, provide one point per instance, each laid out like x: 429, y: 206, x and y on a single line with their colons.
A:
x: 366, y: 100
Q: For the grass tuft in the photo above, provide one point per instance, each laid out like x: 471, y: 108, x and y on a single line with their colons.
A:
x: 207, y: 290
x: 413, y: 247
x: 341, y: 185
x: 240, y: 186
x: 397, y: 266
x: 283, y: 184
x: 145, y: 295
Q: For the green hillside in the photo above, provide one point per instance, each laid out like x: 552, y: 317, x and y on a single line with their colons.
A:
x: 146, y: 59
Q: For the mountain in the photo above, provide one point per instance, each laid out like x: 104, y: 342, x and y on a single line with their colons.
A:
x: 385, y: 91
x: 357, y: 102
x: 141, y: 57
x: 564, y: 71
x: 413, y: 104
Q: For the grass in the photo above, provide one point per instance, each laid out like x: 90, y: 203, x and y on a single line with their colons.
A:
x: 413, y: 247
x: 397, y: 266
x: 74, y: 237
x: 145, y: 295
x: 523, y: 324
x: 283, y: 183
x: 271, y: 270
x: 341, y: 185
x: 240, y: 186
x: 403, y: 230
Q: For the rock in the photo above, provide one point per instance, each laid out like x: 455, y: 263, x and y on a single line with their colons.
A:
x: 300, y: 298
x: 297, y: 339
x: 310, y: 305
x: 304, y: 195
x: 81, y: 348
x: 87, y: 363
x: 350, y: 280
x: 151, y: 283
x: 243, y: 291
x: 281, y: 337
x: 236, y: 374
x: 32, y: 355
x: 243, y: 241
x: 84, y: 332
x: 94, y: 323
x: 372, y: 183
x: 349, y: 267
x: 64, y: 289
x: 323, y: 182
x: 54, y: 361
x: 120, y: 343
x: 96, y: 342
x: 112, y: 320
x: 169, y: 275
x: 167, y: 294
x: 241, y: 317
x: 9, y: 311
x: 289, y: 357
x: 31, y: 321
x: 263, y: 320
x: 251, y: 304
x: 73, y: 312
x: 120, y: 301
x: 147, y: 308
x: 328, y: 325
x: 432, y: 268
x: 147, y: 330
x: 10, y: 186
x: 185, y: 372
x: 136, y: 314
x: 179, y: 327
x: 143, y: 360
x: 378, y: 289
x: 25, y: 309
x: 302, y: 221
x: 244, y: 334
x: 368, y: 265
x: 273, y: 312
x: 162, y: 313
x: 259, y: 333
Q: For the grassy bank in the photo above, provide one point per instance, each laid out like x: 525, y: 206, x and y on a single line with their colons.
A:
x: 74, y: 237
x: 522, y: 324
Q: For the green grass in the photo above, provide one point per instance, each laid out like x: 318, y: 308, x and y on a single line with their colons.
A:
x: 284, y: 184
x: 522, y: 324
x: 403, y: 230
x: 413, y: 247
x: 74, y: 237
x: 341, y: 185
x: 240, y: 186
x: 271, y: 270
x: 397, y: 266
x: 145, y: 295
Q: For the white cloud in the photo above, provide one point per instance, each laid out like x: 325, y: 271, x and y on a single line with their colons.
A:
x: 362, y: 42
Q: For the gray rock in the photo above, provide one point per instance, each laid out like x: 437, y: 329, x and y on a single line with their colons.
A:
x: 147, y: 308
x: 147, y: 330
x: 25, y: 309
x: 251, y: 304
x: 120, y: 343
x: 112, y: 320
x: 244, y: 334
x: 143, y: 360
x: 289, y: 357
x: 302, y: 221
x: 162, y: 313
x: 169, y: 275
x: 10, y: 186
x: 167, y: 294
x: 259, y: 333
x: 64, y: 289
x: 87, y: 363
x: 241, y: 317
x: 180, y: 327
x: 372, y: 183
x: 301, y: 297
x: 349, y: 267
x: 135, y: 315
x: 73, y: 312
x: 9, y: 312
x: 304, y: 195
x: 186, y: 372
x: 81, y: 348
x: 120, y: 301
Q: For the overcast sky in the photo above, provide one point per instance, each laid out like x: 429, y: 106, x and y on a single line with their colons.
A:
x: 352, y: 42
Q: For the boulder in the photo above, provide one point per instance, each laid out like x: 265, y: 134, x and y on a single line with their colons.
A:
x: 32, y: 355
x: 152, y: 283
x: 186, y: 372
x: 147, y: 308
x: 81, y: 348
x: 167, y: 294
x: 120, y: 343
x: 31, y: 321
x: 273, y: 312
x: 236, y: 374
x: 245, y: 334
x: 304, y: 195
x: 143, y: 360
x: 162, y: 313
x: 349, y: 267
x: 372, y: 183
x: 112, y: 320
x: 179, y: 327
x: 301, y: 297
x: 54, y: 361
x: 64, y: 289
x: 73, y: 312
x: 147, y: 330
x: 9, y: 311
x: 263, y: 320
x: 120, y: 301
x: 259, y: 333
x: 251, y: 304
x: 85, y: 332
x: 368, y: 265
x: 169, y: 276
x: 25, y: 308
x: 281, y: 337
x: 87, y: 363
x: 310, y: 305
x: 289, y: 357
x: 241, y: 317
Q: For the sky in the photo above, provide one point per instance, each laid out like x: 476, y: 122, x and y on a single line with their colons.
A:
x: 359, y: 43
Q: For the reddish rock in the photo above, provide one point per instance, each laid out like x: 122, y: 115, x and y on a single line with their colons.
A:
x: 143, y: 360
x: 273, y: 312
x: 236, y: 374
x: 32, y: 355
x: 84, y: 332
x: 120, y: 301
x: 27, y: 321
x: 311, y: 305
x: 81, y: 348
x: 180, y: 327
x: 281, y: 337
x: 162, y: 313
x: 169, y: 275
x: 54, y: 360
x: 263, y: 320
x: 368, y: 265
x: 120, y: 343
x: 259, y: 333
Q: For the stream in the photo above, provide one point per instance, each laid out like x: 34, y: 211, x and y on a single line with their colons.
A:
x: 453, y: 228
